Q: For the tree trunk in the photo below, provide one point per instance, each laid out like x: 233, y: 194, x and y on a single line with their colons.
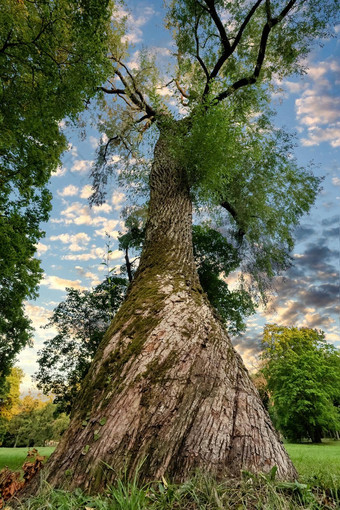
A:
x: 166, y: 386
x: 316, y: 434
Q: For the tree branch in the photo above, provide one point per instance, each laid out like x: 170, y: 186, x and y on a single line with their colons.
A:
x: 198, y: 57
x: 271, y: 22
x: 244, y: 25
x: 219, y: 25
x: 229, y: 50
x: 181, y: 90
x: 112, y: 91
x: 130, y: 91
x: 240, y: 233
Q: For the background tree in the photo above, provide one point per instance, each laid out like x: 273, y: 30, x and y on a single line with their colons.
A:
x: 52, y: 57
x: 166, y: 383
x: 81, y: 321
x: 9, y: 399
x: 303, y: 380
x: 36, y: 422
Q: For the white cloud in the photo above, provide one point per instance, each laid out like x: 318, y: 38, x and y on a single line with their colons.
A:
x: 76, y: 242
x: 103, y: 208
x: 57, y: 283
x: 108, y: 228
x: 316, y: 135
x: 113, y: 159
x: 95, y: 253
x: 42, y: 248
x: 317, y: 109
x: 81, y: 165
x: 61, y: 170
x: 93, y: 141
x: 72, y: 149
x: 86, y: 191
x: 134, y: 23
x: 293, y: 86
x: 79, y: 214
x: 314, y: 110
x: 69, y: 191
x: 117, y: 198
x: 38, y: 314
x: 88, y: 274
x: 336, y: 181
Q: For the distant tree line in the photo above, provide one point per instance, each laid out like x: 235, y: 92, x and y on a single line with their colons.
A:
x: 28, y: 421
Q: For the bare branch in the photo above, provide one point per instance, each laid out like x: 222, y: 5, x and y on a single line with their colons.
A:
x: 245, y: 24
x: 230, y: 49
x: 135, y: 95
x: 283, y: 13
x: 261, y: 53
x: 241, y: 233
x: 145, y: 117
x: 110, y: 140
x: 112, y: 91
x: 219, y: 25
x: 181, y: 90
x: 198, y: 57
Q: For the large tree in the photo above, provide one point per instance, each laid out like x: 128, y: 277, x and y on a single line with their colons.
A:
x: 52, y: 57
x: 302, y: 373
x: 166, y: 385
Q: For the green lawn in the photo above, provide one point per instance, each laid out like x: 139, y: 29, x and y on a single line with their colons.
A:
x: 317, y: 461
x: 320, y: 461
x: 15, y: 457
x: 318, y: 465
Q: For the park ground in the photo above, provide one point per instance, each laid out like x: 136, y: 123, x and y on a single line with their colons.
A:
x: 318, y: 487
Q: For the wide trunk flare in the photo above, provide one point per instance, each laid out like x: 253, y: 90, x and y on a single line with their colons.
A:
x: 166, y: 393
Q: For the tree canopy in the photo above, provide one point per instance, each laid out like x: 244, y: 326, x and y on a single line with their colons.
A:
x: 302, y: 373
x: 52, y: 58
x: 238, y: 164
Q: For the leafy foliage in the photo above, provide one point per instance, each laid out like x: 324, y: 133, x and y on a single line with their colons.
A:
x: 303, y: 379
x: 35, y: 423
x: 81, y: 321
x: 221, y: 133
x: 9, y: 398
x: 216, y: 258
x: 52, y: 57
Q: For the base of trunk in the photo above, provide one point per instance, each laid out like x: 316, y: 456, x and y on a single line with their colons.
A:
x: 167, y: 394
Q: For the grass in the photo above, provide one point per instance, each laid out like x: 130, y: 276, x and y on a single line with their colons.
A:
x: 15, y: 457
x: 317, y: 489
x: 317, y: 463
x: 199, y: 493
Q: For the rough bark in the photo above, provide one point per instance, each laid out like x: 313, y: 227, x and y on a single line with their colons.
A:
x: 166, y: 386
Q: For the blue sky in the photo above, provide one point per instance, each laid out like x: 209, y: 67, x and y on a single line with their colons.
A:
x: 74, y: 247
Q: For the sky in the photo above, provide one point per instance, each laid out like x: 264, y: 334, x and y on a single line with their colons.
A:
x: 74, y: 247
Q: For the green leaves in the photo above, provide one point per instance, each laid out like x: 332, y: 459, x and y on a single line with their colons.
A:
x: 216, y: 258
x: 53, y: 55
x: 81, y: 321
x: 303, y: 380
